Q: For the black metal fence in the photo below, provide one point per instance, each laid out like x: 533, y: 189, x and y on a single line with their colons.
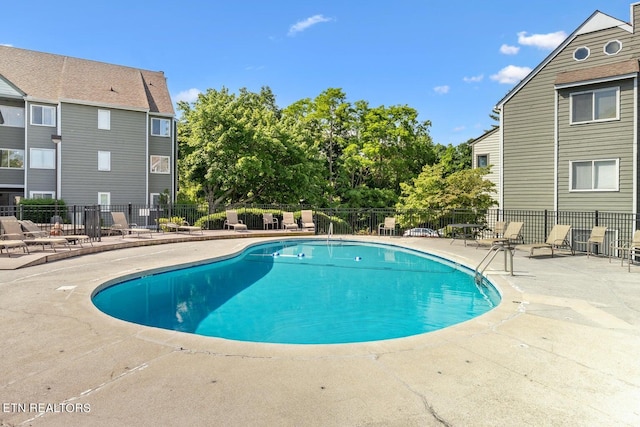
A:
x: 96, y: 220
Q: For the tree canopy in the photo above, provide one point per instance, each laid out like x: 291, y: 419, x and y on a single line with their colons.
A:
x: 325, y: 151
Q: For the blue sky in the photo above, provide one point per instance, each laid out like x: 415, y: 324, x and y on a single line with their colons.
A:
x: 450, y: 60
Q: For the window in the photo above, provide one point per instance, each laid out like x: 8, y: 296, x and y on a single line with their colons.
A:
x: 11, y: 116
x: 594, y: 175
x: 104, y: 160
x: 43, y: 116
x: 42, y: 194
x: 42, y: 158
x: 482, y: 160
x: 160, y: 164
x: 160, y: 127
x: 612, y: 47
x: 581, y: 53
x: 597, y: 105
x: 104, y: 199
x: 13, y: 159
x: 104, y: 119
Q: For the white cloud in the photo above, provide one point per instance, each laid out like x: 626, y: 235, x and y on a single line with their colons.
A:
x: 542, y: 41
x: 459, y: 129
x: 303, y: 25
x: 473, y: 79
x: 189, y: 95
x: 511, y: 74
x: 441, y: 90
x: 509, y: 50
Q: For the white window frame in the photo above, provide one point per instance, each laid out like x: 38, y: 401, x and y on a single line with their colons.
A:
x: 107, y: 195
x: 593, y: 164
x: 44, y: 108
x: 104, y: 119
x: 12, y: 116
x: 604, y: 48
x: 104, y: 161
x: 10, y: 151
x: 593, y: 105
x: 50, y: 156
x: 42, y: 194
x: 576, y: 51
x: 155, y: 163
x: 160, y: 127
x: 152, y: 198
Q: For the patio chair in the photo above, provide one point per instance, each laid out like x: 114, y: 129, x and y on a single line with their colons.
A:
x: 288, y: 222
x: 232, y: 221
x: 388, y: 226
x: 307, y: 220
x: 33, y: 229
x: 269, y: 221
x: 630, y: 247
x: 13, y: 231
x: 185, y: 226
x: 595, y: 238
x: 557, y: 239
x: 121, y: 225
x: 512, y: 234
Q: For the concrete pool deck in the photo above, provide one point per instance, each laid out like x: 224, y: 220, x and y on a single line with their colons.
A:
x: 563, y: 348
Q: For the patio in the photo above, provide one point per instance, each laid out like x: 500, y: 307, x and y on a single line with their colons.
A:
x: 561, y: 349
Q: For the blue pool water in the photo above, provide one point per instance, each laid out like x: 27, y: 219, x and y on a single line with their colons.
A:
x: 305, y: 292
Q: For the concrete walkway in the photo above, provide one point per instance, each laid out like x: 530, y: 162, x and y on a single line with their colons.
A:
x: 561, y: 349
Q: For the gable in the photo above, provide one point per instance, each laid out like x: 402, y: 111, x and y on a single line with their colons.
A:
x: 9, y: 90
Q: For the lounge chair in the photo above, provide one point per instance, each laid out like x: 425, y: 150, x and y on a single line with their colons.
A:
x: 630, y: 247
x: 121, y: 225
x: 232, y: 221
x: 185, y: 226
x: 511, y: 235
x: 33, y: 229
x: 307, y: 220
x: 8, y: 241
x: 388, y: 226
x: 288, y: 222
x: 595, y: 238
x: 13, y: 231
x: 269, y: 221
x: 557, y: 239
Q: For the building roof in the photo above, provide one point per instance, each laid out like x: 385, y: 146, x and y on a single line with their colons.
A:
x: 596, y: 22
x: 485, y: 135
x: 599, y: 72
x: 58, y: 78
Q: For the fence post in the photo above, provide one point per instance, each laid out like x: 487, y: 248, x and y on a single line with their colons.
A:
x: 545, y: 225
x: 595, y: 219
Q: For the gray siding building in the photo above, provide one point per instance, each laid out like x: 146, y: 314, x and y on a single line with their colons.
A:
x: 569, y: 130
x: 83, y: 131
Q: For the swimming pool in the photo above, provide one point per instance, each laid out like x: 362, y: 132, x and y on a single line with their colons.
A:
x: 305, y: 292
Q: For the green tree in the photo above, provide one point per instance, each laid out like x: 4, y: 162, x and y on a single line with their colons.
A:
x: 435, y: 194
x: 239, y: 149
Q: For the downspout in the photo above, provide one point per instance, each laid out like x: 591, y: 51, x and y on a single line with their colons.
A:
x: 146, y: 162
x: 555, y: 153
x: 174, y: 164
x: 501, y: 169
x: 59, y: 152
x: 27, y: 155
x: 634, y: 196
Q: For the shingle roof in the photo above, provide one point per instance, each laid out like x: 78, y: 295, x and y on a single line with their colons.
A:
x: 599, y: 72
x: 62, y: 78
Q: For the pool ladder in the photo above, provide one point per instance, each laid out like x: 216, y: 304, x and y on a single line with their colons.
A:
x: 489, y: 257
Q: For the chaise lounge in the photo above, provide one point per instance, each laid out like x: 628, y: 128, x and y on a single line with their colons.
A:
x: 121, y: 225
x: 557, y: 239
